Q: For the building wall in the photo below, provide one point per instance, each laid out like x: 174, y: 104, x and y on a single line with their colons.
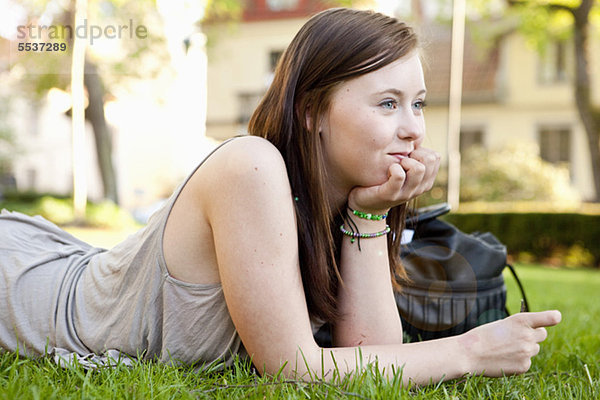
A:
x: 43, y: 145
x: 517, y: 125
x: 239, y: 65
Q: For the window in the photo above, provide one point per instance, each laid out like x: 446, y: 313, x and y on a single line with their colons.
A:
x: 274, y: 57
x: 247, y: 103
x: 470, y: 137
x: 261, y: 10
x: 552, y: 66
x: 555, y: 144
x: 31, y: 178
x: 282, y: 5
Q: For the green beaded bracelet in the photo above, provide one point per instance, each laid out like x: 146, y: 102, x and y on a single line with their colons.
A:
x: 355, y: 235
x: 369, y: 216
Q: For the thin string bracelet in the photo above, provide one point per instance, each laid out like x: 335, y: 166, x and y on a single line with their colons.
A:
x: 353, y: 227
x: 358, y: 235
x: 369, y: 216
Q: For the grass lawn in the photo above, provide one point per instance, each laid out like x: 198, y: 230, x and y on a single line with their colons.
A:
x: 568, y: 366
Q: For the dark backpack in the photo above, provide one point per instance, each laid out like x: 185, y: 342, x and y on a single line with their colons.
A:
x: 456, y: 280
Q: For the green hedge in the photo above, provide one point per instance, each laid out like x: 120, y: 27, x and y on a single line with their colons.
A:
x: 570, y: 239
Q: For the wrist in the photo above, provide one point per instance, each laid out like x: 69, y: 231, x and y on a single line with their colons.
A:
x: 466, y: 345
x: 363, y: 224
x: 358, y: 225
x: 353, y: 207
x: 368, y: 215
x: 365, y: 208
x: 365, y: 221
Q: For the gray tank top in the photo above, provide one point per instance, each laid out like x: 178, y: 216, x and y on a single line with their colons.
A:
x: 59, y: 292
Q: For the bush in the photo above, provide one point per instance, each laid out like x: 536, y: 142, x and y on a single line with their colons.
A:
x: 568, y: 239
x: 515, y: 172
x: 59, y: 211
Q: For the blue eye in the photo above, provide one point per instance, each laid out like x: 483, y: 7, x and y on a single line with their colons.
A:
x: 419, y: 105
x: 389, y: 104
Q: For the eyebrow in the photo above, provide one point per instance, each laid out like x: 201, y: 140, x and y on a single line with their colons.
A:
x: 399, y: 93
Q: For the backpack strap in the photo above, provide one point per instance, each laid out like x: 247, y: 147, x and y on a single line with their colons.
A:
x: 524, y: 297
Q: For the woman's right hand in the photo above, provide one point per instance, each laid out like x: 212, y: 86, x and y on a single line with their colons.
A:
x: 413, y: 176
x: 505, y: 347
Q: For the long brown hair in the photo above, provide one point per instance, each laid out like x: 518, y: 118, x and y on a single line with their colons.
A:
x: 332, y: 47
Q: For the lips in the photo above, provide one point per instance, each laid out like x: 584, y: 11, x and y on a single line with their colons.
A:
x: 399, y: 156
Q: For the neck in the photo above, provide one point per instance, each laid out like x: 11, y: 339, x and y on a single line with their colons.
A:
x: 336, y: 198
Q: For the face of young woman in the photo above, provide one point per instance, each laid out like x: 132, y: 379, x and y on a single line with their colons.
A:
x: 373, y: 121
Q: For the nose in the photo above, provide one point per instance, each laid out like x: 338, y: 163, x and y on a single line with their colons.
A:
x: 411, y: 125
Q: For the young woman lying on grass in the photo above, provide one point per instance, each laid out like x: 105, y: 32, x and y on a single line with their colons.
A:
x: 271, y: 236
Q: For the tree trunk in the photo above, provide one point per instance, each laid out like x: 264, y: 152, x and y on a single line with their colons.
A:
x: 78, y: 117
x: 102, y: 135
x: 582, y: 90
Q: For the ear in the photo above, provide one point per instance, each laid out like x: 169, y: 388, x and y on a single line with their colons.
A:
x: 308, y: 117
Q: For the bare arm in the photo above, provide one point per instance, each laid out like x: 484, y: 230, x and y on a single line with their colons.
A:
x: 251, y: 214
x: 250, y: 210
x: 366, y: 300
x: 503, y: 347
x: 369, y: 313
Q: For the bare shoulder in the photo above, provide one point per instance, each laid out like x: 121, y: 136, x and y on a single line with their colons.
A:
x: 254, y: 144
x: 246, y: 166
x: 240, y: 180
x: 249, y: 152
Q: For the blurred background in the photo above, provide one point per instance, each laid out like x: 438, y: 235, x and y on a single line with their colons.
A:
x: 513, y: 105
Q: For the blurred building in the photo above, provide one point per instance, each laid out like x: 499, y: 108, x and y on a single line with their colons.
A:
x: 510, y: 92
x: 242, y: 58
x: 513, y: 94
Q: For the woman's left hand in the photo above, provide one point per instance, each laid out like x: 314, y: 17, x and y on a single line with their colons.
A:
x: 408, y: 179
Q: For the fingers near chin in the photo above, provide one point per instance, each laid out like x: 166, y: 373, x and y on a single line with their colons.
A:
x: 414, y: 169
x: 426, y: 156
x: 397, y: 171
x: 426, y: 165
x: 408, y: 164
x: 395, y: 182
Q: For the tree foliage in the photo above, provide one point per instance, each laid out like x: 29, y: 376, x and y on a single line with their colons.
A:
x: 543, y: 21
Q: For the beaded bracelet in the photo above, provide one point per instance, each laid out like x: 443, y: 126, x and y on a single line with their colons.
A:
x: 359, y: 235
x: 369, y: 216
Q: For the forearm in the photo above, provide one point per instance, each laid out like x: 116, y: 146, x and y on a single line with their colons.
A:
x: 500, y: 348
x: 366, y: 299
x: 421, y: 363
